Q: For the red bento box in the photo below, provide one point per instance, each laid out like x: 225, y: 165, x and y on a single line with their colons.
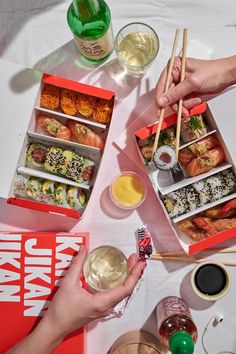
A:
x: 21, y: 106
x: 200, y: 223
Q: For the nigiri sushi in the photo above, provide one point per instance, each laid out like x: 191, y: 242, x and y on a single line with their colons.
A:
x: 206, y: 162
x: 192, y: 128
x: 84, y: 135
x: 53, y: 127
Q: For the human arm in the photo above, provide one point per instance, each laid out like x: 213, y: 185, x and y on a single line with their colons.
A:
x: 202, y: 78
x: 73, y: 307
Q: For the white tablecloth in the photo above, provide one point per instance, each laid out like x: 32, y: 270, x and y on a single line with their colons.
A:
x: 35, y: 34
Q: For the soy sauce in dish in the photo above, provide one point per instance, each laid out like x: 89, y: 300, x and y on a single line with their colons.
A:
x: 210, y: 279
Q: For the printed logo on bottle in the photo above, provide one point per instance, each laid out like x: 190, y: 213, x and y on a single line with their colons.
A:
x: 96, y: 49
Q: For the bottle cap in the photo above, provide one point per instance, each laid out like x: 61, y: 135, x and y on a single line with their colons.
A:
x: 181, y: 343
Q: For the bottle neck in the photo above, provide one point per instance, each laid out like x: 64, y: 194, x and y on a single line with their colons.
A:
x: 86, y: 8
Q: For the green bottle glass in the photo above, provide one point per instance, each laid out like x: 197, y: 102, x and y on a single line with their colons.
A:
x: 90, y: 23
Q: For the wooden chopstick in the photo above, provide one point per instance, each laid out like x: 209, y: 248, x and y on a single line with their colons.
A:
x: 180, y: 103
x: 167, y: 84
x: 191, y: 260
x: 207, y: 251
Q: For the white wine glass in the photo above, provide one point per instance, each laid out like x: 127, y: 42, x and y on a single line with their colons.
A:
x: 136, y: 46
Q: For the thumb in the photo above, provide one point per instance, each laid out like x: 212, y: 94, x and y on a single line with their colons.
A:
x: 175, y: 93
x: 76, y: 265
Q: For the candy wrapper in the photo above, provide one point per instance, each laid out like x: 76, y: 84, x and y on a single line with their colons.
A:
x: 144, y: 243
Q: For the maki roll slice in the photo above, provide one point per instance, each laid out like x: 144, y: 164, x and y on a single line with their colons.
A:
x: 176, y: 203
x: 47, y: 190
x: 193, y: 198
x: 34, y: 188
x: 36, y: 155
x: 204, y: 191
x: 228, y: 180
x: 60, y: 194
x: 216, y: 186
x: 78, y: 168
x: 55, y: 161
x: 20, y: 185
x: 164, y: 158
x: 76, y: 198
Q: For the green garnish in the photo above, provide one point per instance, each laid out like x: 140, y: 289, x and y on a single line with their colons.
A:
x: 164, y: 138
x: 195, y: 123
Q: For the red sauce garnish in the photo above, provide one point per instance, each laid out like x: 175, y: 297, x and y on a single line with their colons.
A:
x: 165, y: 157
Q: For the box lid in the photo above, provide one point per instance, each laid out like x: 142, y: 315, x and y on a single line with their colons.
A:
x: 18, y: 87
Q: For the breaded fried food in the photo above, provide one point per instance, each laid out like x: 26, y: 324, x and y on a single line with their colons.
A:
x: 85, y: 105
x: 102, y: 111
x: 50, y: 97
x: 68, y: 102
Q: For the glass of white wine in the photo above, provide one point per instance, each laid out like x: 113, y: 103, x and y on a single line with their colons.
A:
x: 136, y: 47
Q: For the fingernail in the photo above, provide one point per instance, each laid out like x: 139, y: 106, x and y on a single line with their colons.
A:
x: 163, y: 101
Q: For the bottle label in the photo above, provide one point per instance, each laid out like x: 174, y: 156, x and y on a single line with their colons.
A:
x: 98, y: 48
x: 170, y: 306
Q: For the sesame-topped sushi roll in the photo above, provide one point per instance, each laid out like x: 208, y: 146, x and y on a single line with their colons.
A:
x: 55, y: 161
x: 20, y: 185
x: 34, y: 188
x: 76, y: 198
x: 176, y: 203
x: 60, y: 194
x: 47, y: 191
x: 78, y: 168
x: 36, y: 155
x: 228, y: 180
x: 204, y: 191
x: 193, y: 198
x: 216, y: 186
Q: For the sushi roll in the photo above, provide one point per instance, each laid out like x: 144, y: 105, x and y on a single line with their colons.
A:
x: 34, y: 188
x: 20, y: 185
x: 204, y: 191
x: 216, y: 186
x: 78, y: 168
x: 193, y: 198
x: 60, y: 194
x: 76, y: 198
x: 47, y: 192
x: 176, y: 203
x: 164, y: 158
x: 36, y: 155
x: 192, y: 128
x: 55, y: 161
x: 228, y: 180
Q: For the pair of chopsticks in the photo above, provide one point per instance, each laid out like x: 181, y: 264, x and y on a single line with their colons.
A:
x: 179, y: 256
x: 167, y: 84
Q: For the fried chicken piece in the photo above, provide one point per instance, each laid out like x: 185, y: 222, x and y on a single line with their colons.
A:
x: 223, y: 224
x: 50, y: 97
x: 85, y: 104
x: 102, y: 111
x: 68, y: 102
x: 191, y: 230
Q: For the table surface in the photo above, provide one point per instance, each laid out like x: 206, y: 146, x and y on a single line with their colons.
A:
x: 35, y: 34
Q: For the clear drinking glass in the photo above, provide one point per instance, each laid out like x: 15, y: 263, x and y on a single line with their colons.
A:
x: 136, y: 46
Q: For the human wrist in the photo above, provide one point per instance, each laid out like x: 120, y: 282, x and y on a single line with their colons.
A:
x: 230, y: 70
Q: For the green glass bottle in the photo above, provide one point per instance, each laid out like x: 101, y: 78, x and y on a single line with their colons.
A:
x: 90, y: 23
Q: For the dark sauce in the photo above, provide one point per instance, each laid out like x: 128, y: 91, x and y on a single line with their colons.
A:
x: 210, y: 279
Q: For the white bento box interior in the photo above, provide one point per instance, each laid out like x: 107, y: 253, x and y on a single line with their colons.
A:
x: 58, y: 139
x: 199, y: 221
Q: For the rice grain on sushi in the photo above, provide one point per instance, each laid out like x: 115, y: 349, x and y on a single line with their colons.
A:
x: 76, y: 198
x: 36, y: 155
x: 34, y: 189
x: 47, y: 191
x: 20, y: 185
x: 176, y: 203
x: 55, y: 161
x: 60, y: 194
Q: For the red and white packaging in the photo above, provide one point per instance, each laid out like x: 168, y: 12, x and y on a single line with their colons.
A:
x: 21, y: 90
x: 218, y: 115
x: 32, y: 267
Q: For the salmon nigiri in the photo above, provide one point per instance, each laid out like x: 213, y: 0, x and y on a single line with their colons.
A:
x: 84, y: 135
x: 54, y: 128
x: 206, y: 162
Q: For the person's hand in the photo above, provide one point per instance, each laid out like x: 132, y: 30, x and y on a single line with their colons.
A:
x: 73, y: 307
x: 202, y: 77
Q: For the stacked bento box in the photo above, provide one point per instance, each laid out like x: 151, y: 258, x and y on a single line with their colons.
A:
x: 60, y: 151
x: 199, y: 202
